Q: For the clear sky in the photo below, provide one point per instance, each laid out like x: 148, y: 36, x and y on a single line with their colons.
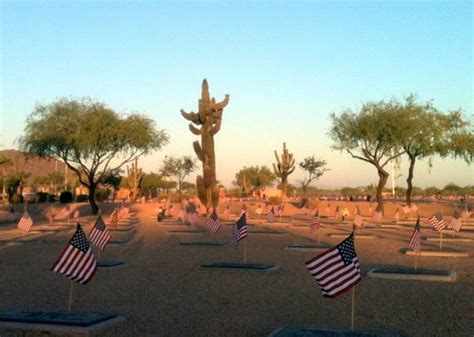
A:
x: 286, y: 65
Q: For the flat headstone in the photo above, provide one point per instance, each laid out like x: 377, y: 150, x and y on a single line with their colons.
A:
x: 110, y: 264
x: 297, y: 331
x: 118, y: 242
x: 357, y: 236
x: 264, y: 232
x: 204, y: 243
x: 412, y: 274
x: 445, y: 252
x: 307, y: 247
x: 388, y: 226
x: 448, y: 239
x: 242, y: 266
x: 171, y: 223
x: 59, y: 318
x: 184, y: 232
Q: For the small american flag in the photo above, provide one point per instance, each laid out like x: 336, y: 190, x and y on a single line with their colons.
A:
x: 406, y: 209
x: 336, y: 270
x: 114, y: 218
x: 271, y: 216
x: 358, y: 221
x: 76, y: 214
x: 397, y: 215
x: 25, y: 222
x: 414, y: 208
x: 315, y: 223
x: 77, y: 262
x: 99, y: 235
x: 239, y: 230
x: 437, y: 222
x: 415, y: 240
x: 214, y: 223
x: 377, y: 217
x: 455, y: 222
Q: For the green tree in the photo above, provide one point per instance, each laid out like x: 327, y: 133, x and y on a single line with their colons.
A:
x: 253, y: 177
x: 113, y: 180
x: 152, y: 183
x: 432, y: 190
x: 4, y: 163
x: 374, y: 135
x: 178, y: 168
x: 453, y: 189
x: 314, y: 169
x: 90, y: 138
x: 429, y: 132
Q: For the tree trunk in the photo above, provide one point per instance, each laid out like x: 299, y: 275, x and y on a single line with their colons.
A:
x: 94, y: 207
x: 410, y: 179
x: 284, y: 185
x: 383, y: 177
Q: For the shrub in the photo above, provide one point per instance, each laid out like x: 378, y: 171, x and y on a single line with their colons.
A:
x: 102, y: 195
x: 41, y: 196
x: 82, y: 198
x: 65, y: 197
x: 275, y: 200
x: 16, y: 199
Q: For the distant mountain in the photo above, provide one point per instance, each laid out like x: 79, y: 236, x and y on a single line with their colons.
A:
x: 33, y: 165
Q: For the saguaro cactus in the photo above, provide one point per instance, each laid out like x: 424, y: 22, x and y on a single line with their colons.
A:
x: 209, y: 117
x: 134, y: 177
x: 284, y: 168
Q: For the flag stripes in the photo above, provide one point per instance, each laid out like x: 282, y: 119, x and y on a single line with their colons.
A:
x: 336, y: 270
x: 100, y: 235
x: 455, y: 222
x: 77, y: 262
x: 437, y: 222
x: 25, y: 223
x: 415, y: 239
x: 239, y: 230
x: 214, y: 223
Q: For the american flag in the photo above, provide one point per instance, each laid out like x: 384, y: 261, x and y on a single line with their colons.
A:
x: 415, y: 240
x: 437, y: 222
x: 214, y: 223
x: 397, y: 215
x: 99, y: 235
x: 77, y: 261
x: 315, y: 223
x: 239, y: 230
x: 455, y: 222
x: 271, y: 216
x: 76, y: 214
x: 358, y: 221
x: 337, y: 213
x: 377, y: 217
x: 25, y: 222
x: 336, y: 270
x: 414, y: 208
x: 406, y: 209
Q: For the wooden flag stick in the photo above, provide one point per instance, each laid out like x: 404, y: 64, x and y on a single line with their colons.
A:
x: 318, y: 236
x: 98, y: 255
x: 441, y: 239
x: 352, y: 311
x: 71, y: 291
x: 416, y: 260
x: 245, y: 251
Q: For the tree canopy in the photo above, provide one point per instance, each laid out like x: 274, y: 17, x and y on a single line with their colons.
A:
x: 253, y: 177
x: 314, y: 169
x: 374, y: 134
x: 178, y: 168
x: 90, y: 138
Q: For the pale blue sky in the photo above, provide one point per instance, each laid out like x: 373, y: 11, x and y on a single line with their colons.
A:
x: 287, y: 65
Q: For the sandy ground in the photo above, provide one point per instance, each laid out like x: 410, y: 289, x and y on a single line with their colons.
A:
x: 162, y: 291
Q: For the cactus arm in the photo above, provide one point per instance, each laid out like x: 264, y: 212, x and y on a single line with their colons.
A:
x: 195, y: 130
x: 215, y: 129
x: 192, y: 117
x: 275, y: 169
x: 278, y: 159
x: 222, y: 104
x: 198, y: 150
x: 291, y: 171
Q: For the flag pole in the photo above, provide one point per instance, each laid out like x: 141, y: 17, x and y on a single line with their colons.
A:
x: 352, y: 311
x: 245, y: 251
x: 71, y: 291
x: 441, y: 239
x: 416, y: 259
